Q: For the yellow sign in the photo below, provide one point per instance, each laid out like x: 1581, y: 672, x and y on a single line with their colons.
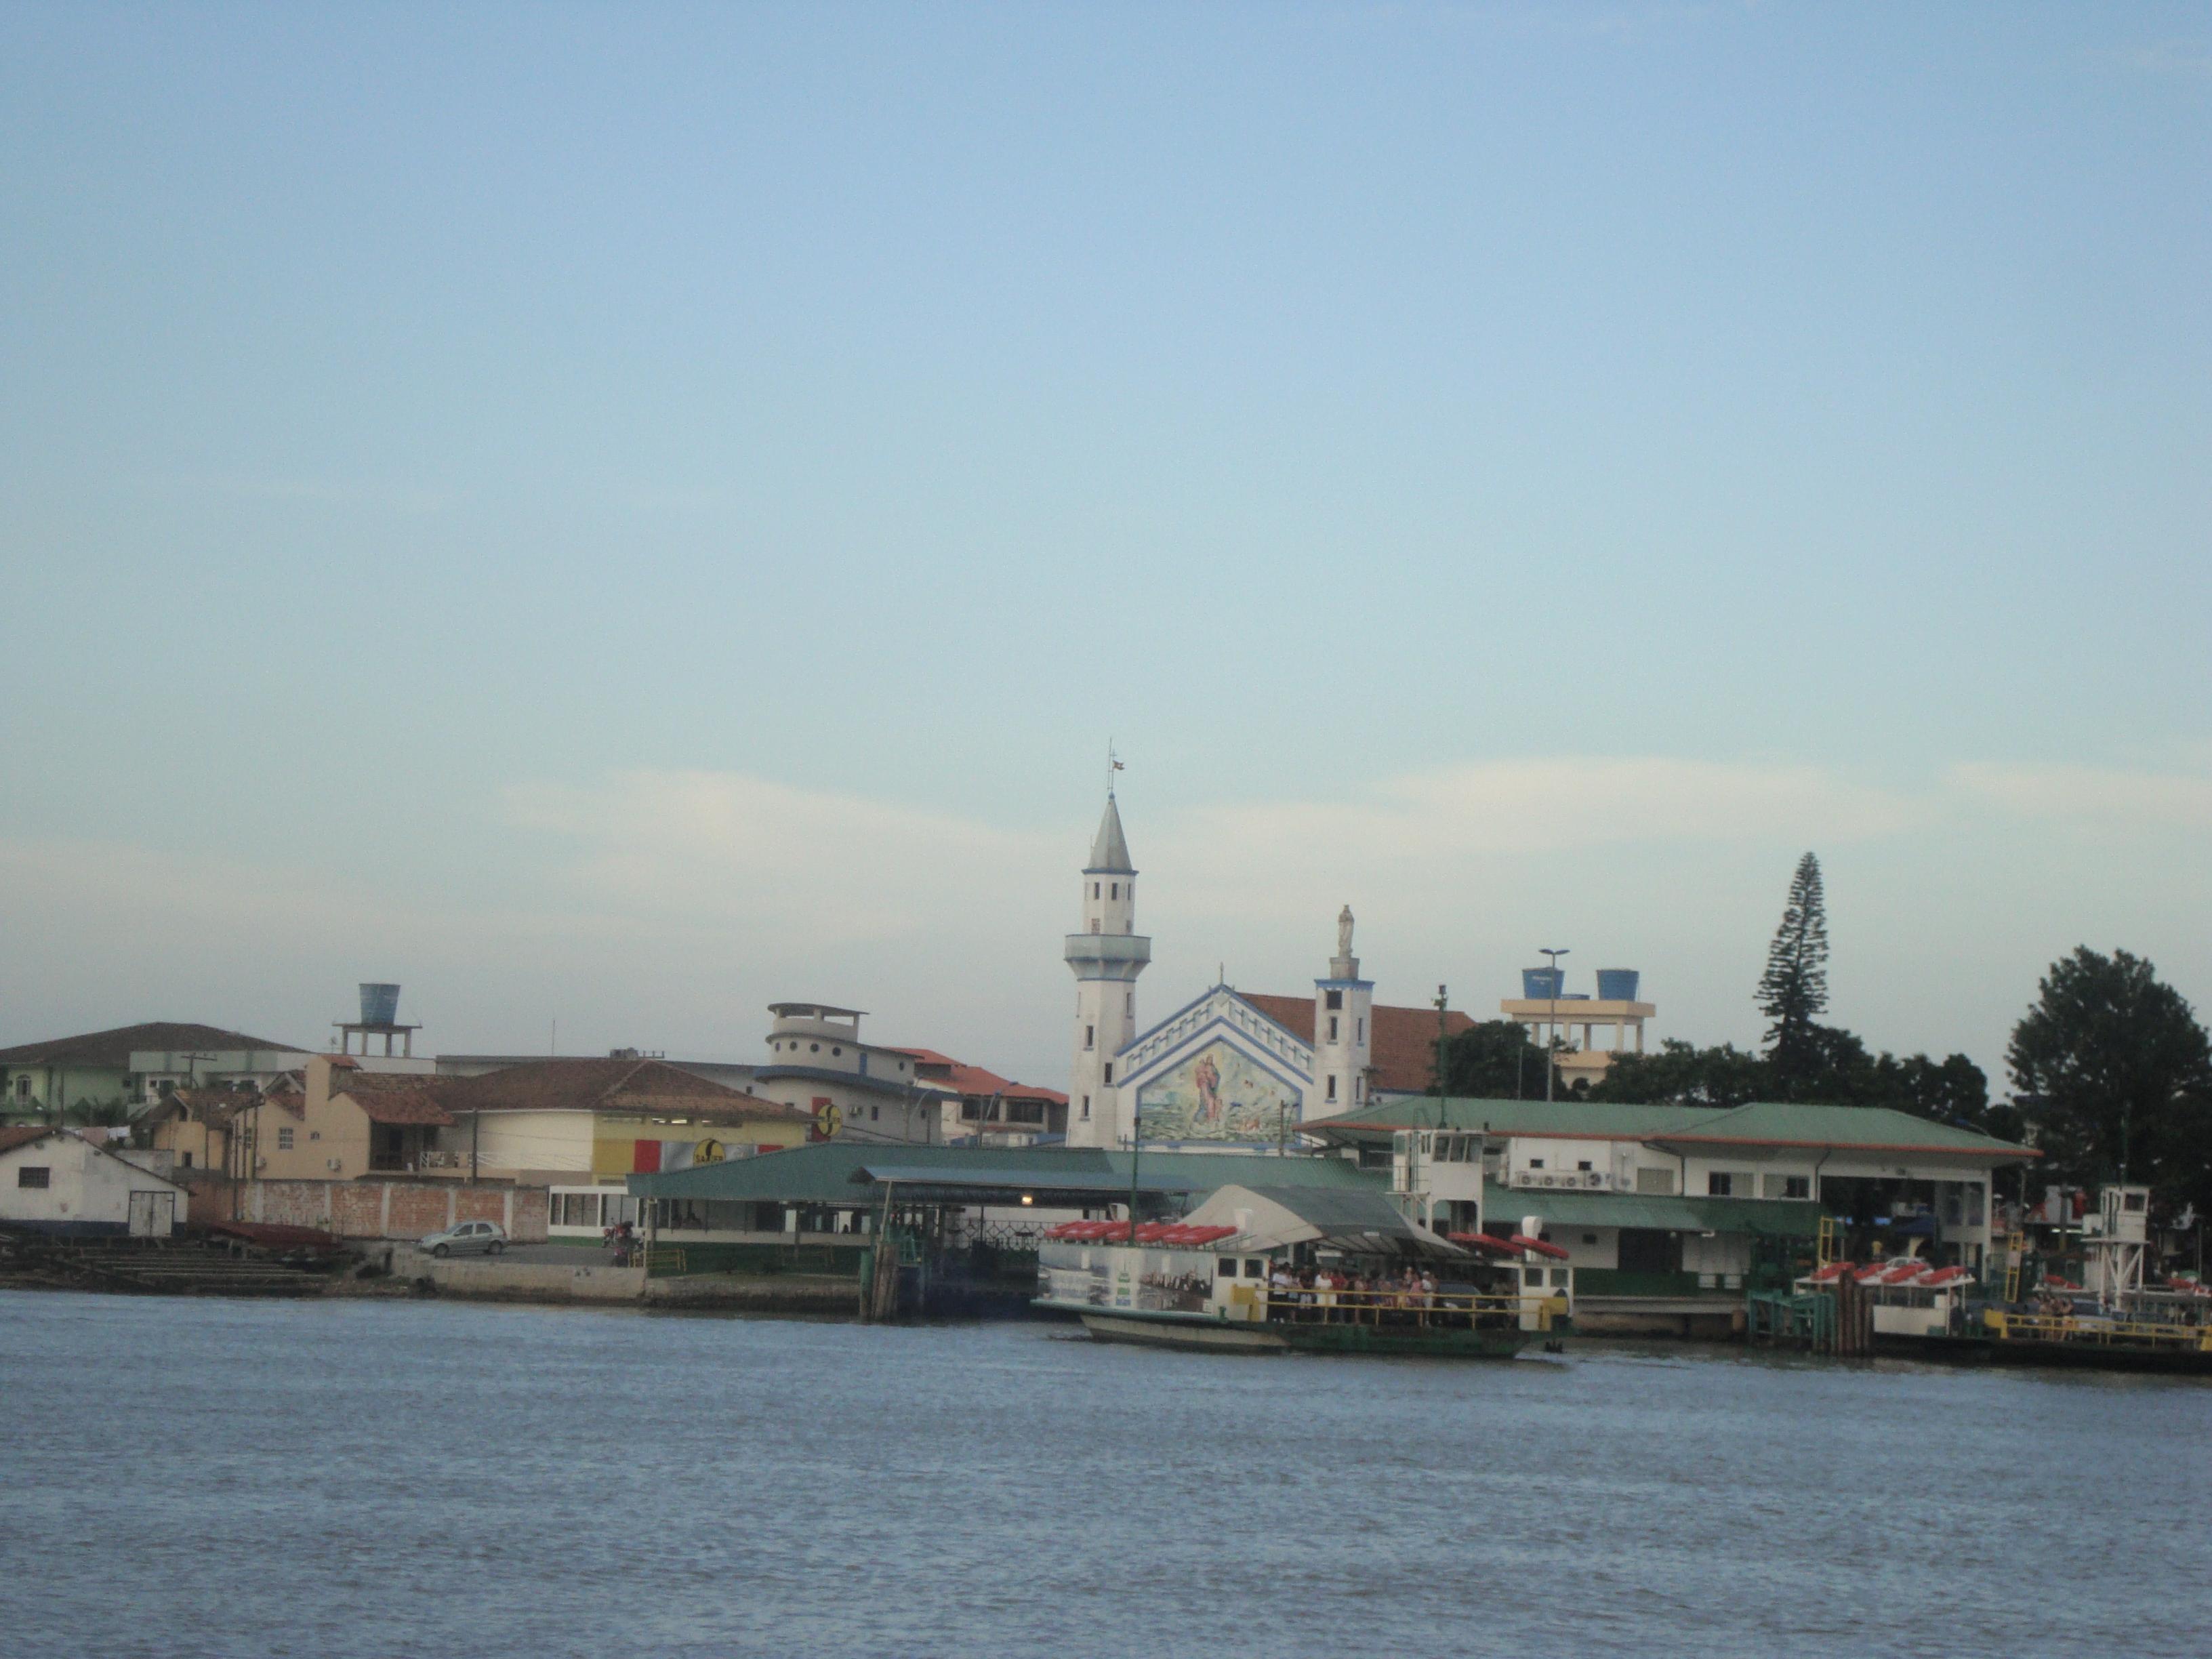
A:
x: 707, y: 1151
x: 828, y: 1119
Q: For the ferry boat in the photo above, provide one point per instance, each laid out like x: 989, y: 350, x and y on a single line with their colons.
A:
x: 1304, y: 1270
x: 2113, y: 1320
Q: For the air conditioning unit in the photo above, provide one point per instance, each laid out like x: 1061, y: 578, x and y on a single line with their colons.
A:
x: 1593, y: 1178
x: 1524, y: 1178
x: 334, y: 1163
x: 1549, y: 1181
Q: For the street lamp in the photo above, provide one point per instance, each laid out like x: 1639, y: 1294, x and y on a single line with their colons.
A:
x: 1551, y: 1033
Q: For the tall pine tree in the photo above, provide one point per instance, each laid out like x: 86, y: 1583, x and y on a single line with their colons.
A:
x: 1793, y: 993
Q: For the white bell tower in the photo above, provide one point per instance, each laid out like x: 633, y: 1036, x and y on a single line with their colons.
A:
x: 1343, y: 1032
x: 1106, y: 958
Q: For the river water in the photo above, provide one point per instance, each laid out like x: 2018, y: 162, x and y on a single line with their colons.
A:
x: 352, y: 1479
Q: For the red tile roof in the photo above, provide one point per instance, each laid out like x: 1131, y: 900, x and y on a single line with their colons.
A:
x: 966, y: 1080
x: 1402, y: 1041
x: 23, y: 1135
x: 398, y: 1097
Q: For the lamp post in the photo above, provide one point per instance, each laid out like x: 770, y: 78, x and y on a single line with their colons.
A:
x: 1552, y: 1031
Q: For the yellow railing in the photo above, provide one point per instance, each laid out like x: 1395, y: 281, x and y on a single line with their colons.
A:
x: 2059, y: 1327
x: 664, y: 1258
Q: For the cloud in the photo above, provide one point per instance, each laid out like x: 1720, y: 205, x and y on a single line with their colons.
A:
x: 2092, y: 797
x: 720, y: 848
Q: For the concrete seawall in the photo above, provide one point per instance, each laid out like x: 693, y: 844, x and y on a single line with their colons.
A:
x: 544, y: 1281
x: 535, y: 1281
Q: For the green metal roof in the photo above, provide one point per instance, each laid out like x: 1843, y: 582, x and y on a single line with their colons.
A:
x: 835, y: 1172
x: 1775, y: 1217
x: 1875, y: 1128
x: 1771, y: 1123
x: 1510, y: 1117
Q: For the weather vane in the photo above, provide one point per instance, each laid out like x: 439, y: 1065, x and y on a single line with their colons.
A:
x: 1112, y: 766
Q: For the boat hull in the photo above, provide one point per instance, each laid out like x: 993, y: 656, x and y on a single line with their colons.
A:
x: 1197, y: 1333
x: 2026, y: 1350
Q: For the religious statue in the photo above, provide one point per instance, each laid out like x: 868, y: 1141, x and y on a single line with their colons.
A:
x: 1344, y: 931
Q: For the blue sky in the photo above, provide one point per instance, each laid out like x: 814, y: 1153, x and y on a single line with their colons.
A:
x: 620, y: 514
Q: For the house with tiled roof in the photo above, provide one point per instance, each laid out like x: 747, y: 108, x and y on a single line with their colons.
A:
x: 542, y: 1123
x: 1230, y: 1068
x: 982, y: 1105
x: 131, y: 1065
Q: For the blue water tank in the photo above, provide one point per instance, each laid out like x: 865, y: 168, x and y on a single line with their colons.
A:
x: 379, y: 1004
x: 1617, y: 984
x: 1540, y: 984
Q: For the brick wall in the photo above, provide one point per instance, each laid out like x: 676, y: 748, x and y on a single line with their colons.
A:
x: 374, y: 1209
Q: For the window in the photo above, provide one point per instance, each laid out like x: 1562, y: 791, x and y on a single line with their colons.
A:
x: 1094, y: 890
x: 1116, y: 891
x: 33, y: 1174
x: 1109, y: 1071
x: 1584, y: 1164
x: 1655, y: 1181
x: 1332, y: 1028
x: 837, y: 1053
x: 284, y: 1138
x: 814, y: 1048
x: 1225, y: 1268
x: 1336, y: 998
x: 1331, y: 1086
x: 1086, y: 1109
x: 1090, y: 1037
x: 1788, y: 1186
x: 1254, y: 1267
x: 1535, y: 1162
x: 1359, y: 1030
x: 1719, y: 1183
x: 1129, y: 1005
x: 188, y: 1160
x: 22, y: 1088
x: 875, y: 1112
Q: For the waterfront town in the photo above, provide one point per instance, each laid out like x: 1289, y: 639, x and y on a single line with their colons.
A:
x: 833, y: 1172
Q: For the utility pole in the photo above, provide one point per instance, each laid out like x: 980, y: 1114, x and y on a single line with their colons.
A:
x: 1441, y: 1000
x: 1551, y: 1032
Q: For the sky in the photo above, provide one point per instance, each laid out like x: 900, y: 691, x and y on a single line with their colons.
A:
x: 613, y: 516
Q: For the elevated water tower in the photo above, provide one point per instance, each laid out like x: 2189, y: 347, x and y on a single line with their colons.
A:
x: 380, y: 1018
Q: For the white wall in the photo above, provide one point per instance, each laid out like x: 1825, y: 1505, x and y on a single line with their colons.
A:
x: 85, y: 1185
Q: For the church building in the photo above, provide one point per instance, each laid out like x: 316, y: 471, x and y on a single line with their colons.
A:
x: 1232, y: 1070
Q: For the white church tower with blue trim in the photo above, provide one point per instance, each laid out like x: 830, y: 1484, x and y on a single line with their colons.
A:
x: 1106, y: 958
x: 1343, y: 1031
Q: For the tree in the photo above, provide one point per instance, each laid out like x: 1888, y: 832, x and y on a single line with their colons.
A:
x: 1793, y: 993
x: 2115, y: 1075
x: 1493, y: 1061
x: 1682, y: 1074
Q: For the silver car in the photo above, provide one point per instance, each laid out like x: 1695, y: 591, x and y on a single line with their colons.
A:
x: 487, y: 1237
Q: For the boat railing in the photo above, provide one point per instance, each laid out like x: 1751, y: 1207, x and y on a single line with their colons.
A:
x: 1315, y: 1306
x: 2095, y: 1328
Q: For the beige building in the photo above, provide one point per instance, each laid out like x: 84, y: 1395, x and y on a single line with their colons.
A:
x: 545, y: 1123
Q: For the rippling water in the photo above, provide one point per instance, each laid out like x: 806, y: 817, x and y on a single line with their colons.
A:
x: 349, y: 1479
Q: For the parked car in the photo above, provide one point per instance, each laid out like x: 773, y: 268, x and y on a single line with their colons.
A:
x: 487, y: 1237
